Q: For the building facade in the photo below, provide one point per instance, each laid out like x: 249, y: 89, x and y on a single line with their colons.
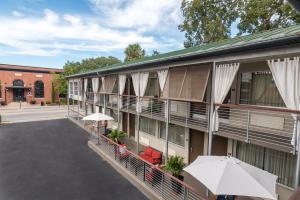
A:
x: 236, y: 97
x: 23, y: 83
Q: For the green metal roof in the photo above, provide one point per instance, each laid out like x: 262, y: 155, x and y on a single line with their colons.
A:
x: 271, y: 35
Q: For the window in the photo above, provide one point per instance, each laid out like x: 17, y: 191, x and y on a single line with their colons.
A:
x: 176, y: 133
x: 152, y: 88
x: 276, y: 162
x: 75, y: 88
x: 18, y: 82
x: 258, y: 88
x: 147, y: 125
x: 39, y: 89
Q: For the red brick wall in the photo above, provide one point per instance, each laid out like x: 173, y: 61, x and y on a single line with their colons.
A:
x: 29, y: 78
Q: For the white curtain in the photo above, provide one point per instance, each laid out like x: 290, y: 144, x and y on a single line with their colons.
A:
x: 135, y: 81
x: 224, y: 76
x: 286, y: 75
x: 103, y: 84
x: 85, y: 88
x: 122, y: 84
x: 140, y: 81
x: 143, y: 82
x: 95, y: 85
x: 162, y: 78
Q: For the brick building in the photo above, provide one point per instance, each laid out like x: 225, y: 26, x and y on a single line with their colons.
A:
x: 24, y: 83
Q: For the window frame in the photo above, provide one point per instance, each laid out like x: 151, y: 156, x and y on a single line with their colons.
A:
x: 41, y: 91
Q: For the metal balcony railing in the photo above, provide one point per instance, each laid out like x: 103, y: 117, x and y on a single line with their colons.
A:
x: 128, y: 103
x: 154, y: 108
x: 164, y: 185
x: 274, y: 127
x: 112, y: 101
x: 189, y: 114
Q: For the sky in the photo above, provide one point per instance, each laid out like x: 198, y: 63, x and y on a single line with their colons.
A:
x: 48, y: 33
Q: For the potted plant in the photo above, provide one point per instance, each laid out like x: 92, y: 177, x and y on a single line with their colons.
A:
x: 175, y: 165
x: 32, y: 101
x: 117, y: 135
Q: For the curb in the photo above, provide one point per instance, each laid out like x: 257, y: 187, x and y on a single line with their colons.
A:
x: 132, y: 179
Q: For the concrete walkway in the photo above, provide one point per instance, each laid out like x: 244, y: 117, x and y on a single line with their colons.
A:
x: 29, y: 112
x: 51, y: 160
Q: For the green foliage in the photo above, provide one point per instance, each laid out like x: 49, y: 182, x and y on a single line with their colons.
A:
x: 117, y: 135
x: 88, y: 64
x: 155, y: 53
x: 207, y: 20
x: 260, y: 15
x: 133, y: 52
x: 175, y: 165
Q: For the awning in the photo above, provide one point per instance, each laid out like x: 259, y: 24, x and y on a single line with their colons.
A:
x: 187, y: 82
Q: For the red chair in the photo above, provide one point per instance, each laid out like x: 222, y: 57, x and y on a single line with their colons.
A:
x: 152, y: 156
x: 122, y: 152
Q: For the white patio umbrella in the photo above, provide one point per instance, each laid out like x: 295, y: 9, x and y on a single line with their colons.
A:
x: 97, y: 117
x: 224, y: 175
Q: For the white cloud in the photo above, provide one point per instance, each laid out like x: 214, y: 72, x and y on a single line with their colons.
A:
x: 37, y: 35
x: 17, y: 13
x: 118, y: 23
x: 140, y: 14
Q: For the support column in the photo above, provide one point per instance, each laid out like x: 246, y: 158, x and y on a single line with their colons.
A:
x: 104, y: 104
x: 211, y: 110
x: 297, y: 141
x: 78, y: 109
x: 167, y: 116
x: 68, y: 98
x: 138, y: 134
x: 118, y: 102
x: 138, y: 120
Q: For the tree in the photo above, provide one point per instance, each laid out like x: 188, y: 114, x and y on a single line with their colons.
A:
x: 133, y: 52
x: 207, y: 20
x: 258, y: 15
x: 155, y: 53
x: 88, y: 64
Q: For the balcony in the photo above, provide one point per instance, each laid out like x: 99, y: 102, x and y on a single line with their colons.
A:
x: 154, y: 108
x: 189, y: 114
x: 128, y: 103
x: 272, y: 127
x: 112, y: 101
x: 90, y: 97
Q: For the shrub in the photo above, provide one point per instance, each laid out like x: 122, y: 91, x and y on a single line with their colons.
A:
x: 175, y: 165
x: 116, y: 135
x: 48, y: 102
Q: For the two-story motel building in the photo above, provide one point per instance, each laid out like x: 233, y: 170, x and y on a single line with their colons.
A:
x: 239, y: 96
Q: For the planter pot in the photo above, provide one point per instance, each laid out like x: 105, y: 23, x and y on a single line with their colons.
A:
x: 176, y: 186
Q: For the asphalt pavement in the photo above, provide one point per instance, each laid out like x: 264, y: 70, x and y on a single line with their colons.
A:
x: 50, y: 160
